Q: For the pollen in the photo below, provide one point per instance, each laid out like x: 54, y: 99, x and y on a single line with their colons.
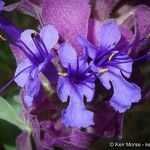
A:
x: 62, y: 74
x: 1, y: 37
x: 103, y: 70
x: 111, y: 56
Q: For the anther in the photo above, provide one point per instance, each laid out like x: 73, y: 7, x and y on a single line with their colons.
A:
x: 62, y: 74
x: 1, y: 37
x: 103, y: 70
x: 111, y: 56
x: 33, y: 34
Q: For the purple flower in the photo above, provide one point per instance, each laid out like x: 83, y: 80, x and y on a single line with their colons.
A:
x: 1, y: 5
x: 74, y: 85
x: 36, y: 48
x: 111, y: 61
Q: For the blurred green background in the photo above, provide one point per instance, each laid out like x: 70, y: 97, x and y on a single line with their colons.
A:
x: 137, y: 120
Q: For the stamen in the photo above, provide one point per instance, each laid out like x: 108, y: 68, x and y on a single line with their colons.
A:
x: 113, y: 49
x: 20, y: 47
x: 45, y: 49
x: 38, y: 46
x: 102, y: 60
x: 24, y: 51
x: 30, y: 50
x: 77, y: 71
x: 93, y: 74
x: 5, y: 86
x: 1, y: 37
x: 103, y: 70
x: 89, y: 67
x: 62, y: 74
x: 134, y: 44
x: 128, y: 61
x: 111, y: 56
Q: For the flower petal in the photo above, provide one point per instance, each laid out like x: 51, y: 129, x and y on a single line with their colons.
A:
x: 125, y: 93
x: 51, y: 72
x: 1, y: 5
x: 31, y: 101
x: 84, y: 43
x: 9, y: 29
x: 33, y: 86
x: 109, y: 34
x: 67, y: 55
x: 27, y: 39
x: 49, y: 36
x: 13, y: 33
x: 126, y: 67
x: 28, y: 100
x: 75, y: 115
x: 123, y: 98
x: 87, y: 90
x: 23, y: 76
x: 63, y: 88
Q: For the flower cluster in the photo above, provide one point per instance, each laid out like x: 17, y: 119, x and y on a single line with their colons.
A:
x: 73, y: 56
x: 110, y: 63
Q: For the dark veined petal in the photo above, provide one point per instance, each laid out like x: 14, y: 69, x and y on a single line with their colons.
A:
x: 67, y: 55
x: 109, y: 34
x: 49, y: 35
x: 125, y: 93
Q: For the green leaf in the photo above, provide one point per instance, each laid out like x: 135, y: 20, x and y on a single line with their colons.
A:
x: 14, y: 101
x: 8, y: 147
x: 8, y: 113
